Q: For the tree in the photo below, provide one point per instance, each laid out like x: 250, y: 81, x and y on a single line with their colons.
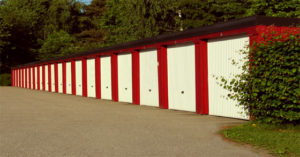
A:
x: 57, y: 44
x: 279, y: 8
x: 127, y: 20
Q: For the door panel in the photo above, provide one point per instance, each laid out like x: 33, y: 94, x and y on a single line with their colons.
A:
x: 78, y: 77
x: 91, y: 87
x: 149, y: 78
x: 105, y: 77
x: 181, y: 77
x: 125, y: 78
x: 221, y: 52
x: 68, y: 78
x: 52, y: 78
x: 46, y: 78
x: 60, y: 83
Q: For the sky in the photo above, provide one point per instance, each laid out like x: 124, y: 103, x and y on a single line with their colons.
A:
x: 86, y: 1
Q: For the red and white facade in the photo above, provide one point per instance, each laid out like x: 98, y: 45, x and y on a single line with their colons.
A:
x: 176, y: 71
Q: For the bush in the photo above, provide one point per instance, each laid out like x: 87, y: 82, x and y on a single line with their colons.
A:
x: 269, y: 89
x: 5, y: 79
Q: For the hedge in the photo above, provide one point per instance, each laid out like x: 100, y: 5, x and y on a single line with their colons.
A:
x: 269, y: 87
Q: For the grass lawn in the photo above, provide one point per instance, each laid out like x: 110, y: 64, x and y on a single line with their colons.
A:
x: 280, y: 140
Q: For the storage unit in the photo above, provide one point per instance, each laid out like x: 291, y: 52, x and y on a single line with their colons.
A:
x: 174, y: 71
x: 105, y: 75
x: 31, y: 75
x: 149, y: 78
x: 78, y: 67
x: 52, y: 78
x: 36, y: 78
x: 68, y: 78
x: 181, y: 77
x: 91, y: 87
x: 46, y: 78
x: 60, y: 78
x: 125, y: 78
x: 222, y: 51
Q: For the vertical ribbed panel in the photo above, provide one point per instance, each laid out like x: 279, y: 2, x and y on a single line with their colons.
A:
x: 78, y: 67
x: 105, y: 74
x: 181, y: 77
x: 91, y: 86
x: 149, y: 78
x: 221, y: 52
x: 68, y: 78
x: 125, y: 78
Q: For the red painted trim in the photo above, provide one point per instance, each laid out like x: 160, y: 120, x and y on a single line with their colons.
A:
x: 84, y: 78
x: 56, y: 77
x: 135, y: 77
x: 29, y: 77
x: 38, y: 78
x: 162, y: 77
x: 64, y: 76
x: 201, y: 74
x: 49, y: 78
x: 33, y: 78
x: 98, y: 77
x: 114, y: 77
x: 44, y: 77
x: 73, y: 75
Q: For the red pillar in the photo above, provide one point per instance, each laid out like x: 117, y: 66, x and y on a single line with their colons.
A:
x: 33, y: 77
x: 64, y: 77
x: 56, y: 77
x: 114, y: 77
x: 49, y: 78
x: 38, y: 78
x: 73, y: 74
x: 44, y: 78
x: 98, y: 77
x: 201, y: 77
x: 135, y: 77
x: 84, y: 78
x: 162, y: 77
x: 29, y: 77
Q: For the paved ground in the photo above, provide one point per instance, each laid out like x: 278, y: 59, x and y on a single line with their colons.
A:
x: 36, y: 123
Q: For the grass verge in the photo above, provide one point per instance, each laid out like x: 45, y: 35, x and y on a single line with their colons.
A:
x: 283, y: 140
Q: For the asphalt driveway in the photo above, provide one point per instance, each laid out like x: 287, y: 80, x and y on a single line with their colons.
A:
x: 42, y: 124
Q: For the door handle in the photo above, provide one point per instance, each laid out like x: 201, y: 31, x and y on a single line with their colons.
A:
x: 149, y: 90
x: 125, y: 88
x: 182, y: 92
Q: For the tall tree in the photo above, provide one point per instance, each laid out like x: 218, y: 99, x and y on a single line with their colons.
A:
x: 127, y: 20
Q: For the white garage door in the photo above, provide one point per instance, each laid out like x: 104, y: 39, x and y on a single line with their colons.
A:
x: 36, y: 81
x: 221, y: 52
x: 52, y: 78
x: 181, y: 77
x: 31, y: 75
x: 27, y: 71
x: 125, y: 78
x: 41, y: 77
x: 91, y: 87
x: 68, y: 78
x: 60, y: 83
x: 78, y: 77
x: 149, y: 78
x: 46, y: 78
x: 105, y: 70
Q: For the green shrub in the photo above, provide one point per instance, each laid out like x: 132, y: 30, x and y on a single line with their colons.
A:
x: 270, y: 87
x: 5, y: 79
